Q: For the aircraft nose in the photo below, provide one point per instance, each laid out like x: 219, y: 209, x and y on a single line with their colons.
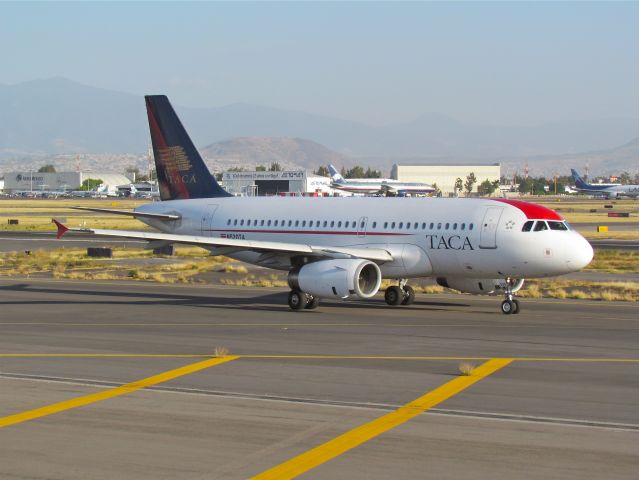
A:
x: 581, y: 253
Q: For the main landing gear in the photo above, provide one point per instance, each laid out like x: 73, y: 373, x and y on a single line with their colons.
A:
x: 300, y: 300
x: 401, y: 294
x: 510, y: 305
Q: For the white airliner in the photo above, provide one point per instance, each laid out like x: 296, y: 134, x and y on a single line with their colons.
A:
x: 343, y: 247
x: 380, y: 186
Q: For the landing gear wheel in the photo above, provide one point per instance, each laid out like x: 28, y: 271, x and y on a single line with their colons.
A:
x: 507, y: 307
x: 312, y: 304
x: 296, y: 300
x: 409, y: 295
x: 393, y: 295
x: 516, y: 306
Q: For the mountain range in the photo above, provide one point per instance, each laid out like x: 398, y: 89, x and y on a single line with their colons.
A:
x: 59, y: 116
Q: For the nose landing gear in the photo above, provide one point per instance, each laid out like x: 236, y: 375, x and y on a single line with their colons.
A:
x: 401, y: 294
x: 510, y: 305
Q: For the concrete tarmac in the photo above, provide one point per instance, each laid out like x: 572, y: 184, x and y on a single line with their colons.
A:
x: 566, y: 407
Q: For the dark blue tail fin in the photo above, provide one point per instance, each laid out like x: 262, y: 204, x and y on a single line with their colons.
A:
x: 181, y: 171
x: 579, y: 183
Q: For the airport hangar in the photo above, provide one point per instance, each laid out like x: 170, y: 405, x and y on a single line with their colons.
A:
x: 266, y: 183
x: 444, y: 175
x: 59, y: 181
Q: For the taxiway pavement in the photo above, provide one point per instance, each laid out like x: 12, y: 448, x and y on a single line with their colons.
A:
x: 561, y: 404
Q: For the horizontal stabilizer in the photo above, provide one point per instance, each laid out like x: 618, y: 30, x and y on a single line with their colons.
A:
x: 132, y: 213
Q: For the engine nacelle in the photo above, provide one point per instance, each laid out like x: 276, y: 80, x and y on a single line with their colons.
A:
x: 479, y: 286
x: 337, y: 278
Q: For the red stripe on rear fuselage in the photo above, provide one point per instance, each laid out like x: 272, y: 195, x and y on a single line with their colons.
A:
x: 532, y: 210
x: 305, y: 232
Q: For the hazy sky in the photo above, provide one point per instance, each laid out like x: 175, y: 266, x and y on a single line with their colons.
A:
x: 496, y: 63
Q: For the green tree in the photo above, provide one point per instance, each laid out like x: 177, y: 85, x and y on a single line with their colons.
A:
x: 236, y: 169
x: 459, y: 186
x: 371, y: 173
x: 48, y: 168
x: 487, y: 187
x: 436, y: 191
x: 356, y: 172
x: 470, y: 182
x: 322, y: 171
x: 260, y: 168
x: 275, y: 167
x: 90, y: 184
x: 625, y: 178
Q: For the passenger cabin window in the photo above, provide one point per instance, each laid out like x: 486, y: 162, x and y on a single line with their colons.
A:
x: 454, y: 226
x: 228, y: 222
x: 447, y: 225
x: 393, y: 225
x: 557, y: 225
x: 416, y: 225
x: 431, y: 225
x: 540, y: 226
x: 339, y: 224
x: 235, y: 222
x: 385, y: 224
x: 470, y: 227
x: 463, y: 226
x: 241, y: 222
x: 439, y: 226
x: 424, y: 226
x: 401, y: 224
x: 374, y: 224
x: 527, y: 226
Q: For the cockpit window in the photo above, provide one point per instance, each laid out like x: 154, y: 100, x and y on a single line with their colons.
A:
x: 557, y: 225
x: 527, y: 226
x: 540, y: 225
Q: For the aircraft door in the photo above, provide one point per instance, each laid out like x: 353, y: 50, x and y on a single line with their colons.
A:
x: 488, y: 234
x: 206, y: 220
x: 361, y: 226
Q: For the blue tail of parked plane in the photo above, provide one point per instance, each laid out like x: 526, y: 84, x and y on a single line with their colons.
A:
x: 579, y: 183
x: 181, y: 171
x: 335, y: 175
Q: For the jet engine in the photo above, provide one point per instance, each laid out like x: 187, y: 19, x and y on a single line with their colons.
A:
x: 479, y: 286
x: 337, y: 278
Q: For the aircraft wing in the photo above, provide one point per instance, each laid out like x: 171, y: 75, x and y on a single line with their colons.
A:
x: 226, y: 245
x: 131, y: 213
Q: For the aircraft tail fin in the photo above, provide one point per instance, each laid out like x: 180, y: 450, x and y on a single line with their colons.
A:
x: 579, y: 182
x: 335, y: 175
x: 180, y: 169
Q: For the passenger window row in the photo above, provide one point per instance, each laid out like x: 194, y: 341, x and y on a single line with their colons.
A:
x: 348, y: 224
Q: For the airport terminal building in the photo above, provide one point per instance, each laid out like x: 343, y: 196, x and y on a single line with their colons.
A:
x: 59, y: 181
x: 445, y: 175
x: 275, y: 183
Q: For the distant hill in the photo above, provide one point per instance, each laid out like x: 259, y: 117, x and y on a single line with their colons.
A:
x: 248, y: 152
x: 600, y: 162
x: 59, y: 116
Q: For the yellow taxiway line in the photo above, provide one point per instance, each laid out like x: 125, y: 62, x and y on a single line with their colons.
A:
x: 349, y: 440
x: 113, y: 392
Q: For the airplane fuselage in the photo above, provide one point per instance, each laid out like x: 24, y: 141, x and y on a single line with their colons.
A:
x: 472, y: 238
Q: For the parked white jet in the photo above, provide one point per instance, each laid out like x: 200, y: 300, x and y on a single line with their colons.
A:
x: 379, y: 186
x: 343, y: 247
x: 608, y: 190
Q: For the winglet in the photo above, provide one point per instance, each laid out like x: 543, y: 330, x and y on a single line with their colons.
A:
x: 62, y: 229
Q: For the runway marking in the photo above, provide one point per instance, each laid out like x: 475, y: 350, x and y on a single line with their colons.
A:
x: 111, y: 393
x: 349, y: 440
x: 318, y: 357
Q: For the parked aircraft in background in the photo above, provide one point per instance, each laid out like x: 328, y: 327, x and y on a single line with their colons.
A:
x: 342, y: 247
x: 608, y: 190
x: 378, y: 186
